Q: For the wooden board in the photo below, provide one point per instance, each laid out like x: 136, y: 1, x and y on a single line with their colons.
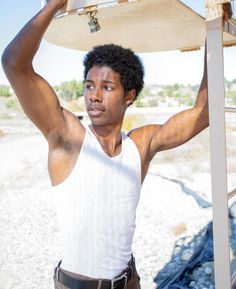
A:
x: 142, y: 25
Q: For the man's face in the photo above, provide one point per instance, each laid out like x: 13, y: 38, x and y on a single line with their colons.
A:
x: 104, y: 96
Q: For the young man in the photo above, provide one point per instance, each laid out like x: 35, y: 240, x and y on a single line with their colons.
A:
x: 96, y: 170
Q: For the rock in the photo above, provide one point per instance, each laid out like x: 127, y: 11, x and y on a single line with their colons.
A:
x: 208, y: 271
x: 208, y: 268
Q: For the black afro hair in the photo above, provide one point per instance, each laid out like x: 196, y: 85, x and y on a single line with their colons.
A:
x: 122, y: 60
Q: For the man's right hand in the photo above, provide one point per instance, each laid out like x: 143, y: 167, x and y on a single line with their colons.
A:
x: 57, y: 3
x: 227, y: 12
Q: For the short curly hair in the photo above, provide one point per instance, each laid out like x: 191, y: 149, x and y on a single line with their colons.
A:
x: 122, y: 60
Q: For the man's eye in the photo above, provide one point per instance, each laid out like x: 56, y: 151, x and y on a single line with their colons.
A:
x: 108, y: 88
x: 89, y: 87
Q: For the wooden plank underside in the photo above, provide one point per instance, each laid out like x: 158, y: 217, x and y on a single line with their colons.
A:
x: 142, y: 25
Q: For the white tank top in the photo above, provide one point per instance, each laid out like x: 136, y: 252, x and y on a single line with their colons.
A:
x: 96, y: 207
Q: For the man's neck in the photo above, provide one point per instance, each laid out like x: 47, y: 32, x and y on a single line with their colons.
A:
x: 109, y: 137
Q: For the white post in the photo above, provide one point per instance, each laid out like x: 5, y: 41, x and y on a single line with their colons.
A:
x: 216, y: 92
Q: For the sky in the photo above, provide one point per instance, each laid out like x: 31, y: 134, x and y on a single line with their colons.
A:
x: 58, y: 64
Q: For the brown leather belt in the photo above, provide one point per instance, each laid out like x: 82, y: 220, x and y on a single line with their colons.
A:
x: 118, y: 282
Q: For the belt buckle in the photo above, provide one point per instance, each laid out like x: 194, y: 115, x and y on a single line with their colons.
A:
x: 119, y: 278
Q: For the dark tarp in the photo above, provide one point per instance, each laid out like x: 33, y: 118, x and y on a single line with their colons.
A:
x: 190, y: 254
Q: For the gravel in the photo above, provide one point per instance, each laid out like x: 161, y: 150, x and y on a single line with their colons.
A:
x: 29, y: 235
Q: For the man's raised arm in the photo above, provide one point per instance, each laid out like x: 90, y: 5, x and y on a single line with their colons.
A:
x: 36, y: 96
x: 184, y: 125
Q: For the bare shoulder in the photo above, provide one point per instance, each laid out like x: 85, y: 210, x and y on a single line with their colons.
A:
x: 64, y: 148
x: 142, y: 136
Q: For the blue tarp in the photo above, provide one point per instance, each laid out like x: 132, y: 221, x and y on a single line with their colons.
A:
x: 199, y: 251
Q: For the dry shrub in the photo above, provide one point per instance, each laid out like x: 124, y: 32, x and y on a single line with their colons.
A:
x: 76, y: 105
x: 73, y: 105
x: 132, y: 121
x: 179, y: 229
x: 2, y: 133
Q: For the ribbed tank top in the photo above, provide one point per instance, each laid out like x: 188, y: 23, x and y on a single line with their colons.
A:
x: 96, y: 208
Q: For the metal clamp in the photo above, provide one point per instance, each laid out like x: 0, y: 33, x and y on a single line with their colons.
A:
x: 93, y: 22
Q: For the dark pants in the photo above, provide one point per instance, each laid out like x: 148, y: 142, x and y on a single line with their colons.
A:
x: 134, y: 282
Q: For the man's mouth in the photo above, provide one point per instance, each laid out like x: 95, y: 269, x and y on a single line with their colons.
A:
x: 95, y: 109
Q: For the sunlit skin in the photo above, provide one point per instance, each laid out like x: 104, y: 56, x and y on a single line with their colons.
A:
x: 105, y: 99
x: 106, y: 104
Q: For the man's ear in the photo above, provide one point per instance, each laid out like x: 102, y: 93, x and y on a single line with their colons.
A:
x: 130, y: 96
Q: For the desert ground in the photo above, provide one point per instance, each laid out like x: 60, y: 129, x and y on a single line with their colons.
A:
x: 175, y: 202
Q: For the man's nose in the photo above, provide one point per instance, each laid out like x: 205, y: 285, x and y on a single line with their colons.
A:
x: 96, y: 95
